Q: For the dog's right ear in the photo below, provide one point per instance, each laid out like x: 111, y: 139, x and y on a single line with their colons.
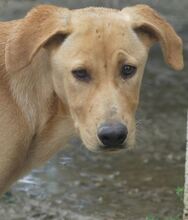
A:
x: 31, y: 33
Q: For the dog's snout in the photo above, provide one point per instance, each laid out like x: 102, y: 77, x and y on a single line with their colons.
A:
x: 112, y: 134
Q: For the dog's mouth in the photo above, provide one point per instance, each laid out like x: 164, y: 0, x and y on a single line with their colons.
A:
x: 106, y: 148
x: 112, y: 148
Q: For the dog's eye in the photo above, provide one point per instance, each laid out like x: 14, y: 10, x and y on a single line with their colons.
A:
x: 127, y: 71
x: 81, y: 74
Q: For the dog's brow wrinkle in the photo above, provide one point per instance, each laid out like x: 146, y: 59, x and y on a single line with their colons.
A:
x: 127, y: 17
x: 113, y: 111
x: 90, y: 109
x: 65, y: 20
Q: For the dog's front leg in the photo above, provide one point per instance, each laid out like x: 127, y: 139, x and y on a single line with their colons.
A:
x: 49, y: 141
x: 12, y: 159
x: 14, y: 144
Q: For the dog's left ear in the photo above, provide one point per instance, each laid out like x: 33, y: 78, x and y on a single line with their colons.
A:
x: 143, y: 18
x: 32, y: 32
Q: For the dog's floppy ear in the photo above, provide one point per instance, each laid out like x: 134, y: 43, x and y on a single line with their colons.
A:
x: 40, y: 24
x: 144, y: 18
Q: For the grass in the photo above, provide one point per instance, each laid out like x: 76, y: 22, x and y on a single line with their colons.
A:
x: 180, y: 193
x: 7, y: 198
x: 180, y: 196
x: 167, y: 218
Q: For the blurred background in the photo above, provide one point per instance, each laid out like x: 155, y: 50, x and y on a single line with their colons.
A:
x: 134, y: 185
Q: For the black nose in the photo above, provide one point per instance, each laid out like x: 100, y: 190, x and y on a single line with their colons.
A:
x: 112, y: 134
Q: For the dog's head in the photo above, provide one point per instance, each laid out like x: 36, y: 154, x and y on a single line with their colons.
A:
x: 97, y: 59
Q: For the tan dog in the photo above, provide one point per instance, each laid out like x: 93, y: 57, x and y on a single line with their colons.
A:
x: 63, y: 70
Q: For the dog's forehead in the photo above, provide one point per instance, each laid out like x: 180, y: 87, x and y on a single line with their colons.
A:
x: 100, y: 33
x: 101, y: 18
x: 95, y: 28
x: 96, y: 10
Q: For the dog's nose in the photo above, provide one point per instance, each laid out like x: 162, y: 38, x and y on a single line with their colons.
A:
x: 112, y: 134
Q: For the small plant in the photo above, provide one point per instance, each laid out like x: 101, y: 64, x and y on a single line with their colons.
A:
x: 8, y: 198
x: 180, y: 192
x: 151, y: 218
x: 167, y: 218
x: 180, y: 196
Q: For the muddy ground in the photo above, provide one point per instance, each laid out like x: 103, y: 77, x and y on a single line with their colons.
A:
x: 79, y: 185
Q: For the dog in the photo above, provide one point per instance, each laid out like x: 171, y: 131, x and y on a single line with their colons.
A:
x: 74, y: 71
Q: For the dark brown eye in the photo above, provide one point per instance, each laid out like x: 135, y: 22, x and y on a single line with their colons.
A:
x: 127, y: 71
x: 81, y: 74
